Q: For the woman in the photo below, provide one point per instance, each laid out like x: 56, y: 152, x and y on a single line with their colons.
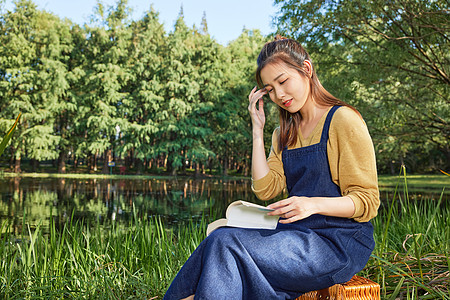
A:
x: 322, y: 153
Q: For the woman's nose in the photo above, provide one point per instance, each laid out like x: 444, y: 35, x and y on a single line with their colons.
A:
x: 279, y: 93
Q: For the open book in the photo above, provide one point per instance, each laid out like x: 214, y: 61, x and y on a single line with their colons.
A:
x: 247, y: 215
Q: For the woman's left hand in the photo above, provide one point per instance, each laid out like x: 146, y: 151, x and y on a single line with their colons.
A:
x: 294, y: 208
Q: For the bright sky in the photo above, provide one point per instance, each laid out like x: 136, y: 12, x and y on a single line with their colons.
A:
x: 226, y: 18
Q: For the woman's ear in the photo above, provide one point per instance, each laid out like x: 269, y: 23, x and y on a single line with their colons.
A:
x: 308, y: 68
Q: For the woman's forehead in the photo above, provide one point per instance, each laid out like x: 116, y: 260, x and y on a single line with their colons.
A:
x: 272, y: 70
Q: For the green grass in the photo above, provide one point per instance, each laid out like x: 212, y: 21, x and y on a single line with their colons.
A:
x: 133, y: 261
x: 416, y: 182
x: 138, y: 260
x: 82, y: 176
x: 386, y: 182
x: 412, y: 255
x: 110, y: 176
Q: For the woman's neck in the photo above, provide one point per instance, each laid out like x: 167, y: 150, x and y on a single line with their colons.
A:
x: 312, y: 111
x: 311, y: 115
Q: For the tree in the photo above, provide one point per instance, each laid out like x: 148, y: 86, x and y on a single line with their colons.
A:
x: 141, y: 108
x: 183, y: 126
x: 392, y: 57
x: 106, y: 75
x: 232, y: 127
x: 33, y: 78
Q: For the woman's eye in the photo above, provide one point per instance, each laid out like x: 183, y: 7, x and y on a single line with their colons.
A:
x: 284, y: 81
x: 269, y: 91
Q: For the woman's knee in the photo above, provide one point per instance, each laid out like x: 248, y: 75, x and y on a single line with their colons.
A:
x: 225, y: 237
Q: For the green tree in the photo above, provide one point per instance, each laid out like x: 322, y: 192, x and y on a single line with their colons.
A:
x: 232, y: 127
x: 141, y: 108
x: 183, y: 126
x: 33, y: 78
x: 392, y: 58
x: 106, y: 75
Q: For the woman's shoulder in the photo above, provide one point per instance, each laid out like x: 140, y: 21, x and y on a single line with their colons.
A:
x: 347, y: 122
x: 346, y: 114
x: 346, y: 117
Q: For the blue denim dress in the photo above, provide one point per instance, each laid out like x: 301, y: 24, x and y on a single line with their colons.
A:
x: 310, y: 254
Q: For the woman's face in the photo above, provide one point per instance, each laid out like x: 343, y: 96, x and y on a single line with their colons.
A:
x: 285, y: 86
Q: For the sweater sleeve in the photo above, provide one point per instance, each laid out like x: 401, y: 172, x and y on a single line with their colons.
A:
x: 274, y: 182
x: 352, y: 162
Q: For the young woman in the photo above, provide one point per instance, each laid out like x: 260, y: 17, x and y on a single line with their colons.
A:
x: 323, y: 154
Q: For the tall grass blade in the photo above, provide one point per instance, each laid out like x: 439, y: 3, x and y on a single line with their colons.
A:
x: 8, y: 135
x: 397, y: 289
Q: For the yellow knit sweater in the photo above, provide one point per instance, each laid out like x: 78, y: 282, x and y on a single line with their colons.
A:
x: 351, y: 157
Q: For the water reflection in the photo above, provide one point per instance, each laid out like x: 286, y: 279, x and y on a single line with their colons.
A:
x: 103, y: 201
x: 38, y: 200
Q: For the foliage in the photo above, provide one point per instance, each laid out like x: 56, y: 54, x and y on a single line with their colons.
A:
x: 127, y: 91
x: 390, y: 59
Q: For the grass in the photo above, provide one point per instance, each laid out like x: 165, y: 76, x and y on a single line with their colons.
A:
x: 415, y: 183
x: 412, y: 256
x: 386, y: 182
x: 138, y: 260
x: 112, y: 176
x: 133, y: 261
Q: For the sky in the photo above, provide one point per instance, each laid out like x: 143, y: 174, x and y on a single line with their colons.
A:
x: 226, y: 18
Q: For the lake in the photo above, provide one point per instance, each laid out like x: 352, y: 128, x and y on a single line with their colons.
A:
x: 105, y: 200
x: 38, y: 200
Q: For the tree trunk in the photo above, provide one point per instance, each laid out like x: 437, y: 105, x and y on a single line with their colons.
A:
x: 139, y: 166
x: 62, y: 162
x: 127, y: 161
x: 12, y: 160
x: 17, y: 165
x: 106, y: 159
x: 90, y: 162
x: 34, y: 165
x: 225, y: 166
x: 197, y: 169
x: 150, y: 164
x: 210, y: 165
x: 94, y: 160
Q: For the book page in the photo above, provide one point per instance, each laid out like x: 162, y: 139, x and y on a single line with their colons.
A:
x: 216, y: 224
x: 245, y: 215
x: 251, y: 215
x: 260, y: 207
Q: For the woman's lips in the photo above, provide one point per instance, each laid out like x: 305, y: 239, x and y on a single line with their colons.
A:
x: 287, y: 103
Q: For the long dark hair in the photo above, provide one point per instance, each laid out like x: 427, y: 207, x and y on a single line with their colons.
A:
x: 292, y: 54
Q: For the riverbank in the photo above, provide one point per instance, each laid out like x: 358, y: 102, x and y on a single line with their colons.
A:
x: 114, y: 176
x: 387, y: 182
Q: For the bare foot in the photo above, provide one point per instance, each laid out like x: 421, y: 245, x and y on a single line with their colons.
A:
x: 191, y: 297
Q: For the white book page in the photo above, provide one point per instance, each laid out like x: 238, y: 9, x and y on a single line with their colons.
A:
x: 251, y: 216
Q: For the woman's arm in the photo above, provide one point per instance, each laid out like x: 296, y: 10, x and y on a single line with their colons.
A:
x: 260, y: 167
x: 352, y: 163
x: 274, y: 182
x: 296, y: 208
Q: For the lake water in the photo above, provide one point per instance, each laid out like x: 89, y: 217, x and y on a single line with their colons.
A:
x: 104, y: 200
x: 37, y: 200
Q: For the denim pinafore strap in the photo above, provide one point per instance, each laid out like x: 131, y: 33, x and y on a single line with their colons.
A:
x: 307, y: 169
x: 310, y: 254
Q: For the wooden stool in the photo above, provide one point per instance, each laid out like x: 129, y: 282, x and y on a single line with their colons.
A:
x: 358, y: 288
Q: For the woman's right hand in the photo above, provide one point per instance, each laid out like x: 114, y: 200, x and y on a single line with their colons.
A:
x: 257, y: 115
